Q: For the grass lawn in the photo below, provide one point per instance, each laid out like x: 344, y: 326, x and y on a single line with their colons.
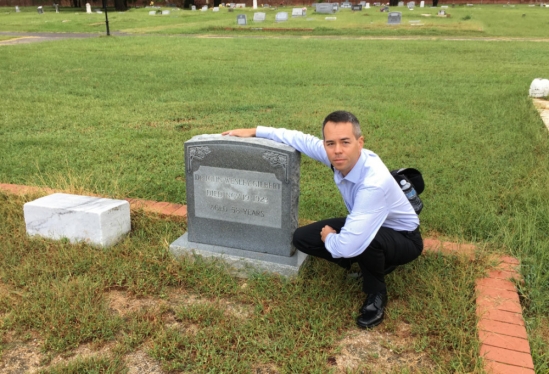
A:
x: 110, y: 116
x: 477, y: 21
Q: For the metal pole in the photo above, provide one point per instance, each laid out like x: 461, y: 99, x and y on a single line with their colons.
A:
x: 106, y: 17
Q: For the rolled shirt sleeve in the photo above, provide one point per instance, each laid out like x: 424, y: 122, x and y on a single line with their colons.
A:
x: 304, y: 143
x: 368, y: 214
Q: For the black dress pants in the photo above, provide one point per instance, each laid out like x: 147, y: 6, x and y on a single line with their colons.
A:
x: 389, y: 248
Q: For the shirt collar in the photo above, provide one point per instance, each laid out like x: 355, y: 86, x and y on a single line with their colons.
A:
x: 354, y: 174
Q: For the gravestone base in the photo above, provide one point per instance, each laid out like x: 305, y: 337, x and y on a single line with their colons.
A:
x: 242, y: 259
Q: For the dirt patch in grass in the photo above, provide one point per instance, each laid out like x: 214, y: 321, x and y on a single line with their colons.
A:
x: 376, y: 351
x: 21, y: 357
x: 140, y: 363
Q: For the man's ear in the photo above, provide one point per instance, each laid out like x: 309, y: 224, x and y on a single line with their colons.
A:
x: 361, y: 141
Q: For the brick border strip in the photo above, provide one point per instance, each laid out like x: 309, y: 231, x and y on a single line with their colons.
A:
x: 502, y: 332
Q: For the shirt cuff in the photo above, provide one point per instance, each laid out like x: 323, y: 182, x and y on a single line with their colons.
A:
x: 263, y: 132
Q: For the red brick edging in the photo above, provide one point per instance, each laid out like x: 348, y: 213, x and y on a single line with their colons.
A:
x: 502, y: 332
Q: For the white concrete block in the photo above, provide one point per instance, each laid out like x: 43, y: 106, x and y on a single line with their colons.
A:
x: 95, y: 220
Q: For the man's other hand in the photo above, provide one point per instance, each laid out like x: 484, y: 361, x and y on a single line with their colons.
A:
x: 241, y: 133
x: 325, y: 231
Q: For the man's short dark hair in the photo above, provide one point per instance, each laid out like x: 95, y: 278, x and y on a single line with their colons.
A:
x: 342, y: 116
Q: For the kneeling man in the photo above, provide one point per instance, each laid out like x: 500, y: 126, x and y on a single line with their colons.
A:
x: 381, y: 230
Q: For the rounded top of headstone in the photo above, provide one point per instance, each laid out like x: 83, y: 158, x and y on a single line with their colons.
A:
x: 227, y: 139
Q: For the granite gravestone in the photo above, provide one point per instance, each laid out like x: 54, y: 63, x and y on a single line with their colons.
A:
x: 242, y: 201
x: 394, y: 18
x: 17, y: 10
x: 40, y: 10
x: 356, y: 8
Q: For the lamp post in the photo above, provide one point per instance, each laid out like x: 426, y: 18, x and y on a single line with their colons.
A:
x: 106, y: 17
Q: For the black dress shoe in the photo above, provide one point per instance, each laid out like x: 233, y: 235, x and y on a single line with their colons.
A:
x: 373, y: 310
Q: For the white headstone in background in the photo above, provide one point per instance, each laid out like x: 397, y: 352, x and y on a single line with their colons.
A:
x: 422, y: 4
x: 401, y: 3
x: 281, y: 17
x: 259, y: 17
x: 17, y: 10
x: 204, y: 8
x: 165, y: 12
x: 88, y: 8
x: 215, y: 9
x: 330, y: 18
x: 240, y: 5
x: 411, y: 5
x: 94, y: 220
x: 40, y: 10
x: 193, y: 7
x: 152, y: 13
x: 367, y: 6
x: 254, y: 4
x: 297, y: 12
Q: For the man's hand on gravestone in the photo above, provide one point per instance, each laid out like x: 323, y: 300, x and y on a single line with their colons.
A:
x: 242, y: 133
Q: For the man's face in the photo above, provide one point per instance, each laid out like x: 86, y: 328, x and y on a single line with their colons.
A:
x: 342, y: 147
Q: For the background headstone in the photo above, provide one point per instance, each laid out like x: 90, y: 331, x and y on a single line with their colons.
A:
x: 298, y: 12
x: 356, y: 8
x: 204, y: 8
x: 259, y: 17
x: 346, y: 5
x: 40, y: 10
x: 165, y: 12
x: 193, y: 7
x: 17, y: 10
x: 152, y: 12
x: 411, y: 5
x: 394, y: 18
x: 241, y: 20
x: 326, y: 8
x: 401, y: 3
x: 215, y: 9
x: 422, y: 4
x: 88, y: 8
x: 242, y: 198
x: 281, y: 17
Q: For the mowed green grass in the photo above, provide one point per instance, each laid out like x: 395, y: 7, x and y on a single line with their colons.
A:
x: 110, y: 116
x: 477, y: 21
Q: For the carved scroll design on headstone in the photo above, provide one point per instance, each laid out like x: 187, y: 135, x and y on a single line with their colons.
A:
x: 197, y: 152
x: 278, y: 159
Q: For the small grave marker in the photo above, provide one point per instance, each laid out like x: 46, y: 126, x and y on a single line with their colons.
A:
x: 215, y: 9
x: 241, y: 20
x: 193, y: 7
x: 40, y: 10
x: 422, y: 4
x: 95, y: 220
x: 88, y: 8
x: 240, y: 5
x: 330, y: 18
x: 152, y: 12
x: 401, y: 3
x: 357, y: 8
x: 204, y: 8
x: 394, y: 18
x: 346, y: 5
x: 17, y: 10
x: 411, y: 5
x: 281, y: 17
x: 165, y: 12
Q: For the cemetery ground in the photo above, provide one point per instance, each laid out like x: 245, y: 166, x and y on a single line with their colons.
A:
x: 109, y: 116
x: 477, y: 21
